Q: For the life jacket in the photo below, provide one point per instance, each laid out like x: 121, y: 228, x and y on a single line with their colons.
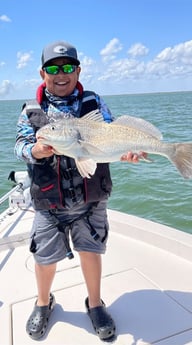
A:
x: 56, y: 182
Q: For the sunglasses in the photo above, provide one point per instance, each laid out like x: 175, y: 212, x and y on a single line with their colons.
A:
x: 68, y: 69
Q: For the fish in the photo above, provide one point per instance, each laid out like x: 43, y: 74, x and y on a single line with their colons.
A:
x: 90, y: 140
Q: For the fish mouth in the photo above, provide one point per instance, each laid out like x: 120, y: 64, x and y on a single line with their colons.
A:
x: 39, y: 137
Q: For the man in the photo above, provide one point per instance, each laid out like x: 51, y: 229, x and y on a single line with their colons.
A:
x: 62, y: 199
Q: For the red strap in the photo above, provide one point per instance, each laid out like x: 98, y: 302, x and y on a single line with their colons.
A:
x: 79, y: 87
x: 40, y: 91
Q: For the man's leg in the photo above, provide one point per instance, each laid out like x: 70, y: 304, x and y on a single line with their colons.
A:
x: 44, y: 276
x: 101, y: 320
x: 91, y: 268
x: 37, y: 323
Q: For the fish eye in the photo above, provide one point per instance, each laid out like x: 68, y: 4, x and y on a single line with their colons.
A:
x: 53, y: 128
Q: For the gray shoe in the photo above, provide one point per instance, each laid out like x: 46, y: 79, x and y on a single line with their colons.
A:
x: 102, y: 321
x: 37, y: 323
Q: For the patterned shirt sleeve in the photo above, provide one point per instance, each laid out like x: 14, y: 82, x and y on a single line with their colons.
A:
x: 25, y: 139
x: 107, y: 115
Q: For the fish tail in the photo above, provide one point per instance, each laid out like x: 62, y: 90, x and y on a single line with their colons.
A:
x: 181, y: 157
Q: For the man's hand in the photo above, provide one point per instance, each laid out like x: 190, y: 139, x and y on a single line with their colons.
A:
x: 134, y: 157
x: 40, y: 151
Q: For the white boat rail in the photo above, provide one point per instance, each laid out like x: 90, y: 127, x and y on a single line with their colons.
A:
x: 7, y: 195
x: 19, y: 194
x: 19, y: 199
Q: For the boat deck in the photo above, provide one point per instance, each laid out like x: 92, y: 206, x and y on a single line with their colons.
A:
x: 146, y: 284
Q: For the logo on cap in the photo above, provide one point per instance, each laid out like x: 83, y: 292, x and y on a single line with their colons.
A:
x: 60, y: 50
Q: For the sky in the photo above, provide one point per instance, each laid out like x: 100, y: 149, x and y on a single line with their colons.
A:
x: 125, y: 46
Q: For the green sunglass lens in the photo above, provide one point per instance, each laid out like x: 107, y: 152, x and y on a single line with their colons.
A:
x: 52, y: 69
x: 68, y: 68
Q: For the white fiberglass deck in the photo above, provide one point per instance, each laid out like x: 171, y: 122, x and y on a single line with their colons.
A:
x: 147, y: 286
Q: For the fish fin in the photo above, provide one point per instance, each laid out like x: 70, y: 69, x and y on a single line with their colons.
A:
x: 56, y: 152
x: 90, y: 149
x: 94, y: 115
x: 181, y: 157
x: 145, y: 159
x: 139, y: 124
x: 86, y: 167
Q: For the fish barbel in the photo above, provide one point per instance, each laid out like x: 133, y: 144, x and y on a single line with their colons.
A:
x: 90, y: 140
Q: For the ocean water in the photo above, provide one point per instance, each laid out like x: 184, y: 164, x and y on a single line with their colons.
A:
x: 155, y: 191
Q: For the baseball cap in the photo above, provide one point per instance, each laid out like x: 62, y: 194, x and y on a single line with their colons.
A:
x: 59, y: 49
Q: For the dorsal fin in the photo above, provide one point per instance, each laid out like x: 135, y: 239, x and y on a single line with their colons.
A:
x: 139, y: 124
x: 94, y: 115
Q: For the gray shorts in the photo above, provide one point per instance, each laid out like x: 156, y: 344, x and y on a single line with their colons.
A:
x: 86, y: 229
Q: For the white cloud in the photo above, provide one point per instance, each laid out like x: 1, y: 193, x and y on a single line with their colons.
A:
x: 88, y: 68
x: 31, y: 83
x: 110, y: 50
x: 138, y: 49
x: 5, y: 87
x: 5, y: 18
x: 172, y: 62
x: 179, y: 53
x: 123, y: 69
x: 169, y: 70
x: 87, y: 62
x: 23, y: 59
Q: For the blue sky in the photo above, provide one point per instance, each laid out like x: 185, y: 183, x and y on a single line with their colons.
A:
x: 125, y: 46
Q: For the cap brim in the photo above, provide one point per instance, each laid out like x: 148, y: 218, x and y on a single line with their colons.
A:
x: 72, y: 60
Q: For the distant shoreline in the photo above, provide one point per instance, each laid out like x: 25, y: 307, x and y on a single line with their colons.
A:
x: 112, y: 95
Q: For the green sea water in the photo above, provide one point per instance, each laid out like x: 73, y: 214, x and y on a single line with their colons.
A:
x: 154, y: 191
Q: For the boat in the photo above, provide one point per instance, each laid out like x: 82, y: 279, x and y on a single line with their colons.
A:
x: 146, y: 281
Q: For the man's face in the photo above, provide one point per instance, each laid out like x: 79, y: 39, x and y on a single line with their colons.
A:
x: 61, y: 84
